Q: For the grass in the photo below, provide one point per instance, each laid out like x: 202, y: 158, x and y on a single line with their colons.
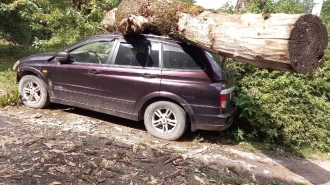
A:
x: 8, y: 87
x: 248, y: 146
x: 308, y: 152
x: 9, y: 54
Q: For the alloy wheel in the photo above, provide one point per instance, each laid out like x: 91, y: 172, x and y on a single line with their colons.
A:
x: 164, y: 121
x: 32, y: 92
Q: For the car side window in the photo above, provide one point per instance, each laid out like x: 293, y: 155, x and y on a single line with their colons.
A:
x: 139, y: 54
x: 95, y: 52
x: 176, y: 58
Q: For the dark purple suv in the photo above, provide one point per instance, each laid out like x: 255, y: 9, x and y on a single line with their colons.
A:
x: 166, y: 83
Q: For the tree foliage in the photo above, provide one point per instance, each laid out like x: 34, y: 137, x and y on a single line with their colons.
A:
x: 325, y: 13
x: 13, y: 27
x: 280, y: 6
x: 269, y: 6
x: 51, y: 22
x: 281, y: 107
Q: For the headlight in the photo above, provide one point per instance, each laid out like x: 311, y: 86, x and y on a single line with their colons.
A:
x: 15, y: 65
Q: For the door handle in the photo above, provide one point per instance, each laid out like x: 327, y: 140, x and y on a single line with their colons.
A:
x: 94, y: 72
x: 148, y: 75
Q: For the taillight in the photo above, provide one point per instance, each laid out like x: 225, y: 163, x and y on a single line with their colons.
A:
x: 225, y: 96
x: 223, y: 101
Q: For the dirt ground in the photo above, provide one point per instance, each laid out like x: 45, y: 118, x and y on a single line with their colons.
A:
x: 65, y: 145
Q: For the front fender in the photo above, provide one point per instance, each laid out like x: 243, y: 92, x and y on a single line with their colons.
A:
x: 31, y: 70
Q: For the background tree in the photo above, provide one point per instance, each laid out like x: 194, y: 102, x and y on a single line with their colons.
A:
x: 45, y: 23
x: 325, y: 13
x: 241, y: 4
x: 276, y: 6
x: 13, y: 26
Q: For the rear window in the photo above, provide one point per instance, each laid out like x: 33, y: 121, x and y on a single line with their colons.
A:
x: 177, y: 58
x: 215, y: 61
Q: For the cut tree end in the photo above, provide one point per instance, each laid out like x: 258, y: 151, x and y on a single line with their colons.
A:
x: 308, y: 40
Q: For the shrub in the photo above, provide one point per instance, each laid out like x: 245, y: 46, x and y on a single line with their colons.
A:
x: 287, y: 108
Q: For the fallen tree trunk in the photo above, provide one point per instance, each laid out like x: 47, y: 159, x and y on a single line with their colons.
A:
x: 286, y: 42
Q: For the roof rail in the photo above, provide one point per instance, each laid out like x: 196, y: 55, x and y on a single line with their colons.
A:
x: 157, y: 36
x: 147, y: 35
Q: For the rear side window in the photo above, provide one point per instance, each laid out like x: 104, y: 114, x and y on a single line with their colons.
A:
x: 177, y: 58
x: 141, y: 54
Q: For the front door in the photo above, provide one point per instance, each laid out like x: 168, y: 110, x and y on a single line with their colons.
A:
x: 133, y: 75
x: 80, y: 81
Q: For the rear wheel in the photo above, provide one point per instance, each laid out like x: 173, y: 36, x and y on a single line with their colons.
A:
x: 165, y: 120
x: 33, y: 92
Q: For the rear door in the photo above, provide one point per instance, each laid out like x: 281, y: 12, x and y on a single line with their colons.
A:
x: 133, y: 75
x: 80, y: 81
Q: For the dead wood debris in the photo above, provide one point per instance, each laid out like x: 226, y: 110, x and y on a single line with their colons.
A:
x: 42, y: 152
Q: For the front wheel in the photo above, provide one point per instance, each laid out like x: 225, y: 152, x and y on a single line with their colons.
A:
x: 165, y: 120
x: 33, y: 92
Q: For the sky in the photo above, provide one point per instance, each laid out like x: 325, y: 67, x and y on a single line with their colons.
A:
x: 216, y: 4
x: 213, y: 4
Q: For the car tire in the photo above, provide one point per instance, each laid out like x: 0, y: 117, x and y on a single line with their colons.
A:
x: 33, y: 92
x: 165, y: 120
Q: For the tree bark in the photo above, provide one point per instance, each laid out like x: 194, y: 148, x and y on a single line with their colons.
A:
x: 286, y: 42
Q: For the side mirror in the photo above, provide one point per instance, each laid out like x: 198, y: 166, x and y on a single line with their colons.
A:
x: 63, y: 56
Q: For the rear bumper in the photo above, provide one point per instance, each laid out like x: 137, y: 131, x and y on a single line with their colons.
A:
x: 214, y: 122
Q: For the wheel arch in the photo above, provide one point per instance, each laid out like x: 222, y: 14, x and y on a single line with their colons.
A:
x: 32, y: 71
x: 170, y: 97
x: 36, y: 88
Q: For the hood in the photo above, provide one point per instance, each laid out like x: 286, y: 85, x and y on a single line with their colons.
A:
x: 38, y: 57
